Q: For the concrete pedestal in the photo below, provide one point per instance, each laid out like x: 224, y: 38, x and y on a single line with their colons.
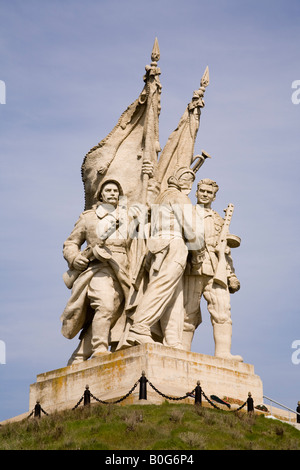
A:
x: 173, y: 372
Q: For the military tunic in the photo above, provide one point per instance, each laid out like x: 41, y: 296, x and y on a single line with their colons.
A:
x: 163, y: 299
x: 200, y: 282
x: 98, y: 293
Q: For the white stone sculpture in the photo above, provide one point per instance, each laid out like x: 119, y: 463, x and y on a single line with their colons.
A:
x: 136, y: 281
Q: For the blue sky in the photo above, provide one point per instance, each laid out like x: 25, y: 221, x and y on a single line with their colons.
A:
x: 71, y: 68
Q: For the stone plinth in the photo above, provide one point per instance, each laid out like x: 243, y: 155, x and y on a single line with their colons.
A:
x: 173, y: 372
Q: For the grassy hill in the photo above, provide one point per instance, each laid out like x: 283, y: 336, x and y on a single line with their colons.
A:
x: 149, y: 427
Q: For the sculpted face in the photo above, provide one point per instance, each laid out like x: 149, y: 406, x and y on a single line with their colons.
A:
x: 205, y: 195
x: 110, y: 194
x: 186, y: 182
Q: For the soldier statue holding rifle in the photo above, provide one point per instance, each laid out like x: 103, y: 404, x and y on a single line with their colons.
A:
x: 213, y: 276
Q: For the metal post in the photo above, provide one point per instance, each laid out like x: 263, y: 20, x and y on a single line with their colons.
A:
x: 250, y: 404
x: 143, y: 387
x: 37, y: 410
x: 86, y: 396
x: 198, y: 394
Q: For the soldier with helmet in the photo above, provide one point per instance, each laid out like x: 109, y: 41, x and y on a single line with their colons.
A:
x: 161, y: 305
x: 101, y: 285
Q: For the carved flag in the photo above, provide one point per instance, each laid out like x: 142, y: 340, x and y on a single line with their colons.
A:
x: 133, y: 140
x: 179, y: 149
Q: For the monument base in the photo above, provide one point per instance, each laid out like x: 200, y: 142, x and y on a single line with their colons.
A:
x: 172, y: 372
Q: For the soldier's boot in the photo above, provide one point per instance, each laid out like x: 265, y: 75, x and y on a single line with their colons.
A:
x: 139, y: 334
x: 100, y: 335
x: 222, y: 337
x: 83, y: 350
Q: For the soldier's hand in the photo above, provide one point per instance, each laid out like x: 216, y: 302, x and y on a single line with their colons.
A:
x: 197, y: 260
x: 102, y: 169
x: 233, y: 284
x: 80, y: 263
x: 135, y: 211
x: 148, y: 168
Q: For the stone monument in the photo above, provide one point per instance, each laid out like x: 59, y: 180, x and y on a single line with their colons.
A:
x: 150, y: 255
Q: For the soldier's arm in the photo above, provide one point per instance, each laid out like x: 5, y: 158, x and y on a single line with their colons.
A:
x: 72, y: 246
x: 191, y: 223
x: 233, y: 282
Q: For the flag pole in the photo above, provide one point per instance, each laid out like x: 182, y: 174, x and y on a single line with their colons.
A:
x: 150, y: 149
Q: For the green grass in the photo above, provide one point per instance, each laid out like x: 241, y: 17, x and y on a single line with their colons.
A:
x: 149, y: 427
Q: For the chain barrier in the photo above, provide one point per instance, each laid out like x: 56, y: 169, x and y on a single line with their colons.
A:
x: 241, y: 407
x: 87, y: 395
x: 78, y: 403
x: 37, y: 411
x: 116, y: 401
x: 217, y: 407
x: 209, y: 401
x: 171, y: 398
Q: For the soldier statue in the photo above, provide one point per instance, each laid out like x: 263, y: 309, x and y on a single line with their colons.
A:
x: 171, y: 229
x: 100, y: 288
x: 202, y: 277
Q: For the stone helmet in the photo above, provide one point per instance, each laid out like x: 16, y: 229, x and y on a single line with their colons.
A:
x: 104, y: 183
x: 173, y: 179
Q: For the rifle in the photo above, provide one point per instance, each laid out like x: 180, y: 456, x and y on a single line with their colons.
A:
x: 220, y: 276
